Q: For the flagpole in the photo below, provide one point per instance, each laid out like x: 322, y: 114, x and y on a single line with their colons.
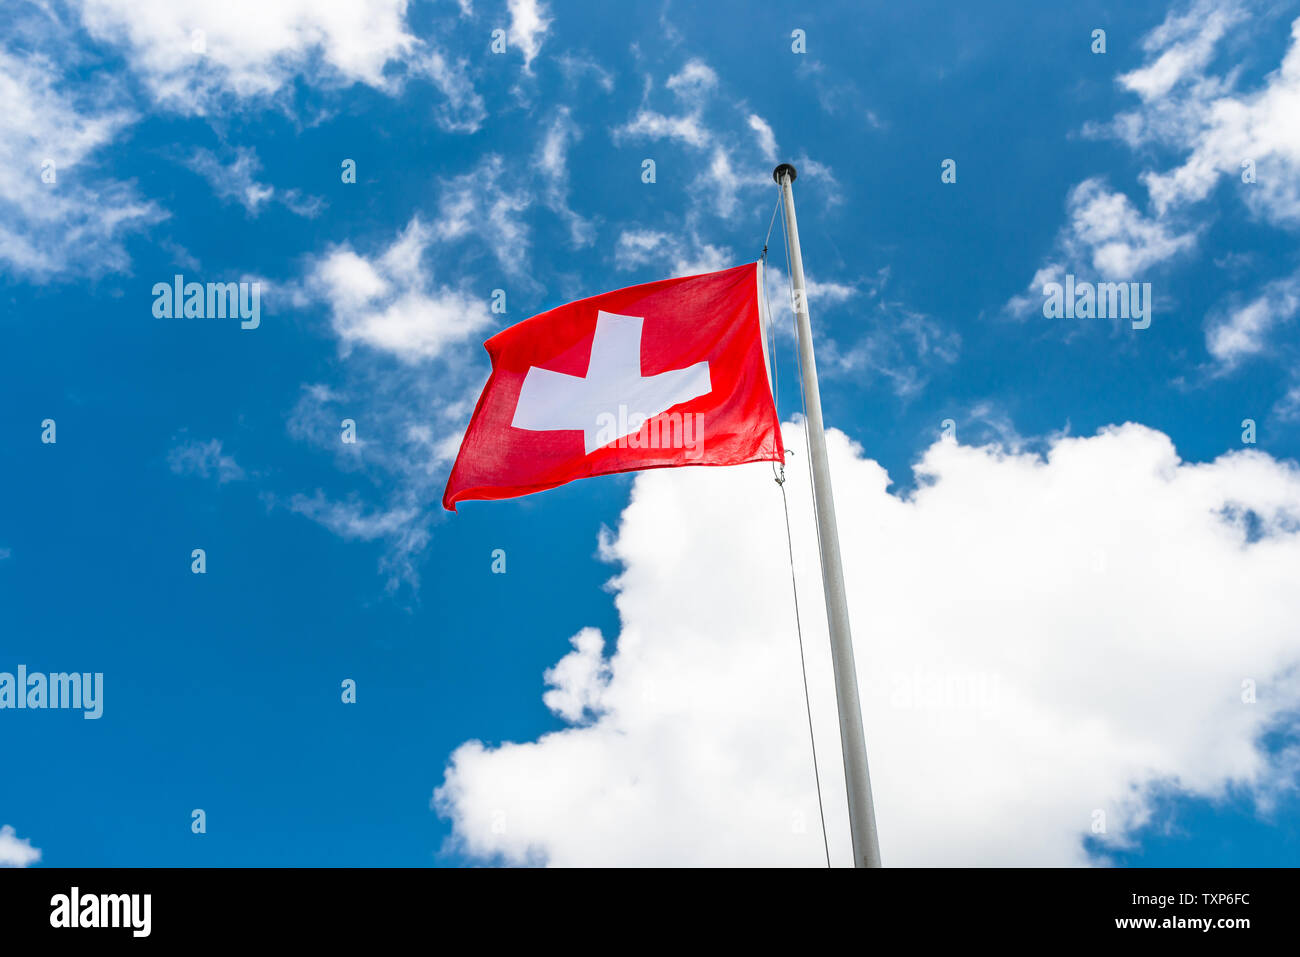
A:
x: 862, y: 813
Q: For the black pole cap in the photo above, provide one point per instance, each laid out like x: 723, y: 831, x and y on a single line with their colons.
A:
x: 785, y: 168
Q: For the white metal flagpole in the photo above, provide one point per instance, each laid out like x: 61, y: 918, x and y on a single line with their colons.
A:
x: 862, y: 812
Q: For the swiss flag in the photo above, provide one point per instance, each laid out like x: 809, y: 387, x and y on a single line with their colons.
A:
x: 664, y: 374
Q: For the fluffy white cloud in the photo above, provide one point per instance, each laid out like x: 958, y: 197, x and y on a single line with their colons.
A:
x: 1109, y: 232
x: 402, y: 381
x: 57, y: 217
x: 1221, y: 128
x: 528, y: 27
x: 391, y: 303
x: 579, y: 678
x: 1240, y: 332
x: 695, y: 80
x: 1181, y: 47
x: 191, y: 53
x: 16, y: 851
x: 694, y: 84
x: 402, y: 315
x: 1216, y: 127
x: 199, y: 57
x: 1038, y: 638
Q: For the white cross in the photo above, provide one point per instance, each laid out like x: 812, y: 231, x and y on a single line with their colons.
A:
x: 551, y: 401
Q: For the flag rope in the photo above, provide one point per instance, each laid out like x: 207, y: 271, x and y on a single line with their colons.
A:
x: 778, y: 474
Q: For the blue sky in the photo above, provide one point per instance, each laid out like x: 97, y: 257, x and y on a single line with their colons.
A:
x: 219, y: 155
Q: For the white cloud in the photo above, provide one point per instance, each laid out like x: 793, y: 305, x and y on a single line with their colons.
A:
x: 722, y: 183
x: 684, y: 255
x: 75, y: 224
x: 1240, y: 332
x: 733, y: 167
x: 1114, y: 237
x: 1216, y: 127
x: 408, y: 381
x: 198, y: 57
x: 528, y: 27
x: 701, y: 257
x: 479, y: 204
x: 766, y: 138
x: 818, y: 293
x: 206, y: 460
x: 16, y: 851
x: 899, y: 346
x: 829, y: 293
x: 353, y: 521
x: 407, y: 430
x: 579, y: 678
x: 463, y: 111
x: 1182, y: 46
x: 1037, y: 639
x: 1220, y: 128
x: 901, y: 349
x: 402, y: 526
x: 1029, y: 304
x: 552, y: 160
x: 576, y: 67
x: 694, y: 84
x: 694, y: 81
x: 651, y: 125
x: 391, y: 303
x: 250, y: 48
x: 402, y: 315
x: 236, y: 181
x: 1287, y: 408
x: 823, y: 177
x: 638, y: 247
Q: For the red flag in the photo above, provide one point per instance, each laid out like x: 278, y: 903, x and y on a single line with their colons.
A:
x: 665, y: 374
